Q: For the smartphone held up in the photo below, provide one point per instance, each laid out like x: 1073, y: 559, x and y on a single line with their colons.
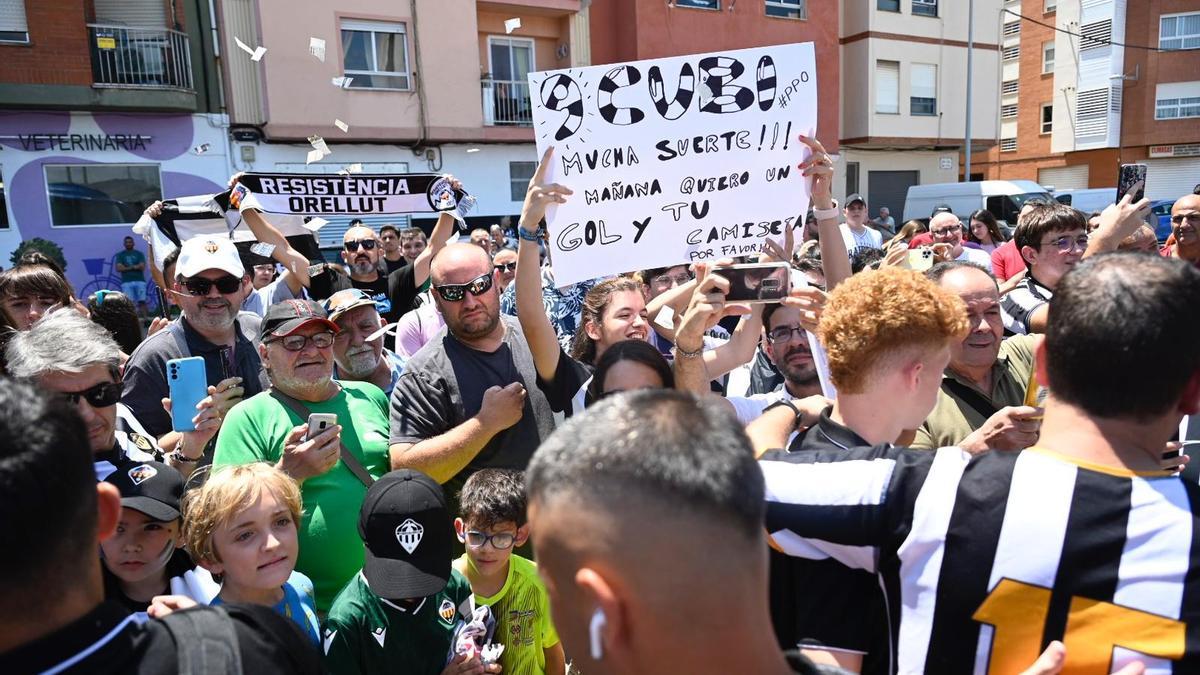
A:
x: 756, y: 282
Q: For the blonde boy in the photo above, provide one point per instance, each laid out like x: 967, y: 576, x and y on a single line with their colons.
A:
x: 241, y: 527
x: 492, y: 523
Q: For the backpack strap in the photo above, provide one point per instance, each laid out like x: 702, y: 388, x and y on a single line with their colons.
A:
x: 971, y: 397
x: 347, y: 457
x: 205, y: 641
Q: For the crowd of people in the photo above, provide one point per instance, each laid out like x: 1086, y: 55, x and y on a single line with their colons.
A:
x: 431, y: 459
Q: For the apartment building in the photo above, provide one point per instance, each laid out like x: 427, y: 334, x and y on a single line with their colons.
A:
x: 418, y: 85
x: 1102, y: 83
x: 105, y: 106
x: 904, y: 104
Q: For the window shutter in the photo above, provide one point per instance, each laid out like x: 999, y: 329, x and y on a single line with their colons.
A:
x: 887, y: 87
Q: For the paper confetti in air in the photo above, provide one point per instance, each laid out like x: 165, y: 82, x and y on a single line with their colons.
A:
x: 314, y: 156
x: 315, y: 223
x: 318, y: 144
x: 255, y: 54
x: 342, y: 82
x: 352, y: 168
x: 263, y: 248
x: 316, y: 47
x: 342, y: 125
x: 202, y: 148
x: 512, y: 24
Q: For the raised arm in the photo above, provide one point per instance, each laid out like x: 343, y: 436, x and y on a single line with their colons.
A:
x: 295, y: 265
x: 539, y: 333
x: 739, y: 350
x: 1117, y: 221
x: 835, y: 259
x: 442, y: 231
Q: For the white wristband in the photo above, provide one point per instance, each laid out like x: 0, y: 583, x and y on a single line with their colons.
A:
x: 826, y: 214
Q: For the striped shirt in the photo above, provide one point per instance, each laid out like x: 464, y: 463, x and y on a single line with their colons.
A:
x: 985, y: 560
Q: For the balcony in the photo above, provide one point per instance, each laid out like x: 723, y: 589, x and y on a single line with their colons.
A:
x: 506, y: 103
x: 140, y: 58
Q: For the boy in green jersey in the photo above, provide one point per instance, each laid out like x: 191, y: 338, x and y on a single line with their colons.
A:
x: 492, y: 523
x: 397, y: 615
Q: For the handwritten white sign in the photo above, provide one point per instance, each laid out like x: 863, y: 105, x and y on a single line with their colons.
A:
x: 675, y: 160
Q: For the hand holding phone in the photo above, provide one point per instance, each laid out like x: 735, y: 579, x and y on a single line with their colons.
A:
x: 318, y: 423
x: 1132, y: 181
x: 188, y: 385
x: 757, y: 282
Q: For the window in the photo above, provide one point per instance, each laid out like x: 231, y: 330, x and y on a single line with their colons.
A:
x: 506, y: 93
x: 375, y: 55
x: 1049, y: 6
x: 788, y: 9
x: 696, y: 4
x: 519, y: 174
x: 1012, y: 52
x: 887, y: 87
x: 1009, y: 87
x: 887, y: 5
x: 1008, y: 112
x: 1048, y: 57
x: 1047, y: 117
x: 100, y: 194
x: 923, y: 86
x: 851, y: 178
x: 924, y: 7
x: 1008, y: 145
x: 1179, y: 31
x: 13, y: 27
x: 1012, y: 28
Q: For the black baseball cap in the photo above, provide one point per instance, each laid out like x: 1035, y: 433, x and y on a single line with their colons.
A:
x: 284, y: 318
x: 855, y: 198
x: 408, y: 533
x: 152, y: 488
x: 941, y: 208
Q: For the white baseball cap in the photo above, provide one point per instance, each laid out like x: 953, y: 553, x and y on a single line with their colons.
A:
x: 209, y: 253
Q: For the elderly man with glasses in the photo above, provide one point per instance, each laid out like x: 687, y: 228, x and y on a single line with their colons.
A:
x: 947, y: 232
x: 334, y: 464
x: 468, y: 399
x: 70, y: 356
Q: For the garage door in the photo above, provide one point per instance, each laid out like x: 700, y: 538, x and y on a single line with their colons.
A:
x: 1171, y: 178
x: 1064, y: 177
x: 889, y: 188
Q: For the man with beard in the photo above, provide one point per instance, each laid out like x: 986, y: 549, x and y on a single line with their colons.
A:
x: 787, y: 348
x: 1185, y: 225
x: 468, y: 399
x: 981, y: 403
x: 356, y: 358
x: 210, y: 284
x: 334, y: 466
x: 393, y: 293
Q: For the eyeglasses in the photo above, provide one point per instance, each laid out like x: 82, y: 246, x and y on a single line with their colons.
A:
x: 1067, y: 244
x: 664, y: 279
x: 500, y: 541
x: 455, y: 292
x: 201, y: 286
x: 294, y: 343
x: 946, y: 231
x: 365, y: 244
x: 1193, y: 218
x: 101, y: 395
x: 785, y: 333
x: 507, y: 267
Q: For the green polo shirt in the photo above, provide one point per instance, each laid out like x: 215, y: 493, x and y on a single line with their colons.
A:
x: 366, y: 634
x: 953, y: 419
x: 256, y: 429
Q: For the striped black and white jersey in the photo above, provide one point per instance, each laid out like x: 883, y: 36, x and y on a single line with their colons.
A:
x: 985, y: 560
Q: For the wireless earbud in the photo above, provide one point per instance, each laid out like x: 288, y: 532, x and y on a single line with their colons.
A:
x: 597, y: 625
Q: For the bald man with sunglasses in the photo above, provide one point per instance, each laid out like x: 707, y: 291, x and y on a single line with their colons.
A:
x: 468, y: 399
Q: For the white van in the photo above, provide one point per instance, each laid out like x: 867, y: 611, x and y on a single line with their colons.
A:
x: 1002, y: 197
x: 1087, y: 200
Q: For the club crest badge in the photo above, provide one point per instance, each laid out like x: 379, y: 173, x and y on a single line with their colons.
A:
x: 409, y: 534
x: 380, y: 635
x: 141, y: 441
x: 446, y: 611
x: 211, y: 246
x: 142, y: 473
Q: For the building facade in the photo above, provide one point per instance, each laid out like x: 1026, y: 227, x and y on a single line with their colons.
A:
x: 1102, y: 83
x: 419, y: 86
x: 904, y: 106
x: 105, y: 106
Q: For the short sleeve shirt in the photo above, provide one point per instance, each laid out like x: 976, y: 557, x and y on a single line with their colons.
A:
x: 443, y: 384
x: 255, y: 430
x: 129, y: 259
x: 868, y: 238
x: 522, y: 611
x: 393, y: 294
x: 259, y: 300
x: 953, y: 418
x: 365, y: 633
x: 1021, y: 302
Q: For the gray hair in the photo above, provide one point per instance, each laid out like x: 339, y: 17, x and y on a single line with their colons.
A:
x: 61, y: 342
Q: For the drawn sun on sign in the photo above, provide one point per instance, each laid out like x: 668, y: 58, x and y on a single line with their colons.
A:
x: 562, y: 93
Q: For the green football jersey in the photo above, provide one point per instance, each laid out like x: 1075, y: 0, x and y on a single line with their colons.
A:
x: 365, y: 633
x: 522, y: 611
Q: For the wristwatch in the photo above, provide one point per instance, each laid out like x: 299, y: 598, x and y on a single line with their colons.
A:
x: 788, y: 403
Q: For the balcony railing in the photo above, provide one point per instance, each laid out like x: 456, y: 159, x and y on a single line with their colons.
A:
x: 506, y: 103
x: 150, y: 58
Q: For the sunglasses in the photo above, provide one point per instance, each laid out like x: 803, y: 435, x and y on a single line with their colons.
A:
x: 507, y: 267
x: 364, y: 244
x: 294, y: 343
x: 201, y: 286
x: 101, y: 395
x: 455, y: 292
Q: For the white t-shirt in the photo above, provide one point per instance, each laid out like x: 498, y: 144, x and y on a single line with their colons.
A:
x: 974, y: 255
x: 750, y: 408
x: 867, y: 238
